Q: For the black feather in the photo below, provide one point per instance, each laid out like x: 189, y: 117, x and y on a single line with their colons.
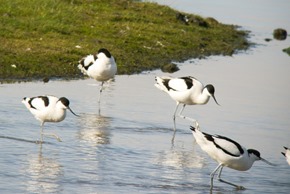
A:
x: 211, y: 138
x: 64, y: 101
x: 166, y: 84
x: 192, y: 128
x: 255, y: 152
x: 188, y: 81
x: 30, y: 103
x: 210, y: 89
x: 283, y: 154
x: 45, y: 100
x: 105, y: 51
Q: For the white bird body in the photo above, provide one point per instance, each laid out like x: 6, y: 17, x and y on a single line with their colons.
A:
x: 101, y: 67
x: 226, y: 152
x: 54, y: 111
x: 287, y: 154
x: 187, y: 91
x: 47, y: 109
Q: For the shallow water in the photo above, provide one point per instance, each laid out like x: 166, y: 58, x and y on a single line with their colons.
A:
x: 128, y: 149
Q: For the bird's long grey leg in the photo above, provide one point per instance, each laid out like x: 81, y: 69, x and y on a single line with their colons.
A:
x: 47, y: 134
x: 99, y: 100
x: 174, y: 123
x: 212, y: 175
x: 188, y: 118
x: 101, y: 90
x: 41, y: 133
x: 221, y: 180
x: 174, y: 115
x: 52, y: 135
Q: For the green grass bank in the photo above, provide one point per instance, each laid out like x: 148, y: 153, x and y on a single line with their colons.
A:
x: 47, y: 38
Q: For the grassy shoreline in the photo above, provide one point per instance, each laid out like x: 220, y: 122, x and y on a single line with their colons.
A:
x: 47, y: 38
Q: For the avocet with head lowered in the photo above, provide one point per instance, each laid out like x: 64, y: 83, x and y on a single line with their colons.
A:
x: 187, y: 91
x: 101, y: 67
x: 47, y: 109
x: 226, y: 152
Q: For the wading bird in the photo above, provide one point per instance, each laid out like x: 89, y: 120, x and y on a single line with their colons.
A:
x: 227, y: 153
x: 47, y: 109
x: 101, y: 67
x: 186, y: 91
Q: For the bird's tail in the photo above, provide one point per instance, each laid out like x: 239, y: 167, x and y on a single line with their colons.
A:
x: 85, y: 63
x: 25, y: 101
x: 283, y: 154
x: 160, y: 83
x: 192, y: 128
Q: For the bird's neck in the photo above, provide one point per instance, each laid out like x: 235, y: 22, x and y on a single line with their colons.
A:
x: 248, y: 162
x: 203, y: 97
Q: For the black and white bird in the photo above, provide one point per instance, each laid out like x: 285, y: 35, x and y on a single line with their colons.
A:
x: 287, y: 154
x: 101, y: 67
x: 47, y: 109
x: 187, y: 91
x: 226, y: 152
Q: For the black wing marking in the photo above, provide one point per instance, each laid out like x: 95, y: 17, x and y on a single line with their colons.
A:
x: 212, y: 139
x: 30, y: 102
x: 86, y: 66
x: 43, y: 98
x: 175, y: 83
x: 188, y: 81
x: 166, y: 84
x: 105, y: 51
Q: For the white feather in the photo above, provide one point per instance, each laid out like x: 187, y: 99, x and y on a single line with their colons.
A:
x: 178, y: 84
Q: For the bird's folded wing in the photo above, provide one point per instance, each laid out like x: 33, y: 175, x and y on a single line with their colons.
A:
x: 38, y: 103
x: 227, y: 145
x: 178, y: 84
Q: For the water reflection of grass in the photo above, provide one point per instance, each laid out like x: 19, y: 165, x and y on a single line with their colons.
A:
x: 41, y: 38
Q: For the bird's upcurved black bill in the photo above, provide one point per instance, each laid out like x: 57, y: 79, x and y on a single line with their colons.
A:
x: 267, y: 162
x: 215, y: 100
x: 73, y: 112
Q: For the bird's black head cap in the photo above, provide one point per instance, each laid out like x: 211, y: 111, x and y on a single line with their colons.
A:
x: 105, y: 51
x: 255, y: 152
x: 64, y: 101
x: 210, y: 89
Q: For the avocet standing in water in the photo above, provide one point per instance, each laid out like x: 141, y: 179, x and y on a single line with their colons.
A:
x: 287, y: 154
x: 101, y: 67
x: 227, y: 153
x: 186, y: 91
x: 47, y: 109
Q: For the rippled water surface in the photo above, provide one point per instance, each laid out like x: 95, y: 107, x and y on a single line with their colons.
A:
x: 127, y: 148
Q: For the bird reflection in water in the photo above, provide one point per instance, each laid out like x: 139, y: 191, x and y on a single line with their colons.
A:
x: 94, y: 129
x: 44, y: 174
x: 180, y: 157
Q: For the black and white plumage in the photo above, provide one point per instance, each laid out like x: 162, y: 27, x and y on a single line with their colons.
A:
x: 47, y: 109
x: 226, y: 152
x: 287, y: 154
x: 101, y: 67
x: 185, y: 90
